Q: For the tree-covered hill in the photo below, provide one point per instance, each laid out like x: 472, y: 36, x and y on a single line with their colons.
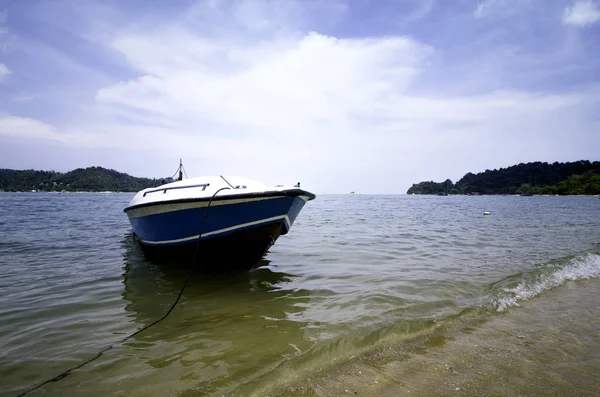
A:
x: 579, y: 177
x: 92, y: 179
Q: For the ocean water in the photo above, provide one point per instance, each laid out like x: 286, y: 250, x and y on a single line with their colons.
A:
x: 367, y: 295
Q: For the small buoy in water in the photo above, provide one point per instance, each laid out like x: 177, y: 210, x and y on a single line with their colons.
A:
x: 486, y: 213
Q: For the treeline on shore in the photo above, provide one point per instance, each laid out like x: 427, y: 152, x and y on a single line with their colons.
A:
x: 91, y: 179
x: 570, y: 178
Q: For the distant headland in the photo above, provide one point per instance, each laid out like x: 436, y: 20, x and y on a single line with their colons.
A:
x: 91, y: 179
x: 574, y: 178
x: 539, y: 178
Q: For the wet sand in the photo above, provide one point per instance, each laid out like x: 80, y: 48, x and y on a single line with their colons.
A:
x: 549, y: 346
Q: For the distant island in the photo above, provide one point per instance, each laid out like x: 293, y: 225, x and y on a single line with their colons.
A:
x: 574, y: 178
x: 91, y: 179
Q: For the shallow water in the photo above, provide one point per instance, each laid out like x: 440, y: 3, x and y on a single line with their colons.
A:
x: 356, y: 276
x: 549, y: 346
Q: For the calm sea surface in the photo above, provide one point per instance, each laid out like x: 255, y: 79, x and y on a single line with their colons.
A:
x: 366, y: 295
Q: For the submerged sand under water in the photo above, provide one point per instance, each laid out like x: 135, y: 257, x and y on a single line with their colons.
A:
x: 548, y: 346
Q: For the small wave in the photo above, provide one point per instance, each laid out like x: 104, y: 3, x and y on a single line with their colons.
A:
x: 547, y: 277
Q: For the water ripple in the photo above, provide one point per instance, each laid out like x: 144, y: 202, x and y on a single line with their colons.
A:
x: 354, y: 272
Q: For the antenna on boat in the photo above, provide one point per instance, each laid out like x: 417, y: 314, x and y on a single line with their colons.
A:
x: 227, y: 181
x: 180, y: 170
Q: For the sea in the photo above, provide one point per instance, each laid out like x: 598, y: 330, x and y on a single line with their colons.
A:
x: 368, y: 295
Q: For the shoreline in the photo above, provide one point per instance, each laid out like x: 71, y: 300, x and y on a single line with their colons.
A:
x: 547, y: 346
x: 335, y: 194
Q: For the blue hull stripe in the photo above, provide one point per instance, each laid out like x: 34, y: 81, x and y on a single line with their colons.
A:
x: 181, y: 226
x: 236, y: 228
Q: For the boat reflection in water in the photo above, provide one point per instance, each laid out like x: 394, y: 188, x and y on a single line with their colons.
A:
x: 228, y: 333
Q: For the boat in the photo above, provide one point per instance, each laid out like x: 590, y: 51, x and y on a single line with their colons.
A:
x: 225, y: 223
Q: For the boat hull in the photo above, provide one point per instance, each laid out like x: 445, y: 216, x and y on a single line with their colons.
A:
x: 235, y: 252
x: 235, y: 231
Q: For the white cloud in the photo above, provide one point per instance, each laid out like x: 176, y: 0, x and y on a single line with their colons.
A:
x: 4, y: 71
x: 481, y: 8
x: 421, y: 9
x: 506, y: 8
x: 488, y: 7
x: 582, y: 13
x: 294, y: 83
x: 25, y: 127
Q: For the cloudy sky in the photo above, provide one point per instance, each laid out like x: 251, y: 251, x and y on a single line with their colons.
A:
x: 366, y: 95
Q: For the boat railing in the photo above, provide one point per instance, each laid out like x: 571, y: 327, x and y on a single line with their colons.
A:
x: 164, y: 189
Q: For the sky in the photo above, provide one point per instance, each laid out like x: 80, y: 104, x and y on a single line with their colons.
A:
x: 341, y: 95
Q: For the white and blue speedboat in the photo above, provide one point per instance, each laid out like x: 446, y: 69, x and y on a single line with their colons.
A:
x: 230, y: 222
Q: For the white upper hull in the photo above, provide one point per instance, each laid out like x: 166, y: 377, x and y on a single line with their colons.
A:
x: 202, y: 188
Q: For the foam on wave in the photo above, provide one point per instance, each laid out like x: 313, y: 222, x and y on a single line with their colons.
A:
x: 577, y: 268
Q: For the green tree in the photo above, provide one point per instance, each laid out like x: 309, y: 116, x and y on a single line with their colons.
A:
x: 578, y: 177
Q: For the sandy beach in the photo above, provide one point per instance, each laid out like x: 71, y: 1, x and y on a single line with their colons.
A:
x: 549, y: 346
